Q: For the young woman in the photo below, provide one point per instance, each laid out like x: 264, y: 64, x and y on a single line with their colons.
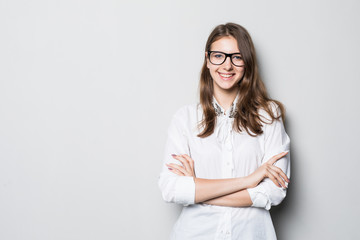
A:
x: 226, y: 158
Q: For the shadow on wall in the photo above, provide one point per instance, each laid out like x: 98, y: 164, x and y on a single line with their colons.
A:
x: 282, y: 213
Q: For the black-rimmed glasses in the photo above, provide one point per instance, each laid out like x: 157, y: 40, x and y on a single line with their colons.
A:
x: 218, y: 58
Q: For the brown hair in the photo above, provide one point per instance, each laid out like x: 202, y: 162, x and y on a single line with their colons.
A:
x: 252, y: 92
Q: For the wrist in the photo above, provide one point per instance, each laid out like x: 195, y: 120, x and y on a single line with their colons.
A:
x: 244, y: 182
x: 250, y: 182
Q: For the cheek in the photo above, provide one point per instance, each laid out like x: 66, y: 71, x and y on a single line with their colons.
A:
x: 211, y: 68
x: 241, y: 72
x: 213, y: 72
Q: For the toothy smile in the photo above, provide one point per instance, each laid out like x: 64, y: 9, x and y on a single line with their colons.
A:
x: 226, y: 75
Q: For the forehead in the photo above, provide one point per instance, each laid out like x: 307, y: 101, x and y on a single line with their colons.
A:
x: 226, y: 44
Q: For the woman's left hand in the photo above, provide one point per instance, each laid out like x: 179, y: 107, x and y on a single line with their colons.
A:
x: 187, y: 168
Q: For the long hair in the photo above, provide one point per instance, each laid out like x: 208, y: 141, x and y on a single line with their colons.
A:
x: 252, y: 92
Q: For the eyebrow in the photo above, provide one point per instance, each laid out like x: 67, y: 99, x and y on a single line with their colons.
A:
x: 225, y: 52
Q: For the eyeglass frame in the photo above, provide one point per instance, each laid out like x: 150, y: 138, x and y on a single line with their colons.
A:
x: 226, y: 56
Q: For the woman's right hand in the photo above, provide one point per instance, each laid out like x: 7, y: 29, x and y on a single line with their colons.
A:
x: 268, y: 170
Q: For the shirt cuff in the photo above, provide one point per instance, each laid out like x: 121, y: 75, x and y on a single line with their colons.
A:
x: 259, y: 197
x: 185, y: 190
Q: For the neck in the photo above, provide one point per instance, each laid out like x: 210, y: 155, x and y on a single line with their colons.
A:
x: 225, y: 97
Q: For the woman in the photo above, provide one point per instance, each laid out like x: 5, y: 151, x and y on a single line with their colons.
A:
x: 226, y: 158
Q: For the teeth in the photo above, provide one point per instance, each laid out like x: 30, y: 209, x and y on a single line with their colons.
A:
x: 226, y: 75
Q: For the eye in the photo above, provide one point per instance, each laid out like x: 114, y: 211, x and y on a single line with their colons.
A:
x: 237, y: 57
x: 218, y: 55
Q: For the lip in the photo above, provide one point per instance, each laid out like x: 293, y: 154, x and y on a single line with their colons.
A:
x: 226, y: 79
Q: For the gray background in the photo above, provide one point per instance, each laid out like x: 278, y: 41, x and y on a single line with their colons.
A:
x: 88, y: 88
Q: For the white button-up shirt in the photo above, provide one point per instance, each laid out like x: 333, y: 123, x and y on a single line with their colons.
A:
x: 224, y: 154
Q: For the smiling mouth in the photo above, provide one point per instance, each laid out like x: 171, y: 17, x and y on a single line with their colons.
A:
x: 226, y: 76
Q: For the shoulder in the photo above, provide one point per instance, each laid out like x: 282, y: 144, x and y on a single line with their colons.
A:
x: 187, y: 111
x: 187, y: 117
x: 264, y: 114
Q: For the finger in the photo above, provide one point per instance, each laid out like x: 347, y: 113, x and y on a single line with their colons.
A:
x: 280, y: 172
x: 190, y: 160
x: 278, y: 178
x: 272, y: 178
x: 177, y: 172
x: 184, y: 162
x: 277, y: 157
x: 177, y: 167
x: 191, y: 163
x: 174, y: 170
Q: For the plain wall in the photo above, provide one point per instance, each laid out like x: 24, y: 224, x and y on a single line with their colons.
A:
x: 88, y: 88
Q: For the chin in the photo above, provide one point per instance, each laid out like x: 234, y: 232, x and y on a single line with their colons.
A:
x: 228, y: 86
x: 227, y: 83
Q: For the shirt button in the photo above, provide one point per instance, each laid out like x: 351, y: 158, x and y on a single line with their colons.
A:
x: 228, y: 163
x: 227, y: 232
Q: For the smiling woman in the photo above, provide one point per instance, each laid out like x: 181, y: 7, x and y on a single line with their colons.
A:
x: 221, y: 64
x: 226, y: 158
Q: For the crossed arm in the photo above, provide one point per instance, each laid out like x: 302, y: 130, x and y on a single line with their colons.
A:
x: 232, y: 191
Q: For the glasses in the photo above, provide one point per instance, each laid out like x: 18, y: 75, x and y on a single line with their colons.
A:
x: 218, y: 58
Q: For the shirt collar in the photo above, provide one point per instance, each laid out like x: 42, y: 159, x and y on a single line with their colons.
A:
x: 220, y: 110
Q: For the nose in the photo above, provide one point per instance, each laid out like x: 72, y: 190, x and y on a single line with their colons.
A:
x: 227, y: 64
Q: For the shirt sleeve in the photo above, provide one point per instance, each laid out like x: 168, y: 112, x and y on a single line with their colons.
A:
x: 174, y: 188
x: 267, y: 194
